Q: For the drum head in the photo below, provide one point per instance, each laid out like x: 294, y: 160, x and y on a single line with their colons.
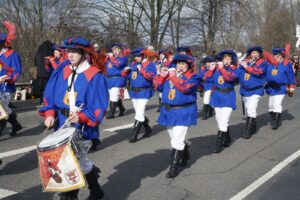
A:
x: 56, y: 139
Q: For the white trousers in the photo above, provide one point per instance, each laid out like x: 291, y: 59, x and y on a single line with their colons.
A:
x: 251, y: 105
x: 177, y: 136
x: 206, y: 96
x: 5, y: 98
x: 275, y: 103
x: 85, y: 164
x: 222, y: 117
x: 139, y: 106
x: 114, y: 94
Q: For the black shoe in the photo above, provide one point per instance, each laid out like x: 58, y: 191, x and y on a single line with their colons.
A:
x: 136, y: 130
x: 121, y: 108
x: 173, y: 171
x: 112, y: 110
x: 72, y: 195
x: 148, y: 129
x: 96, y: 192
x: 205, y: 112
x: 0, y: 162
x: 226, y: 139
x: 185, y: 157
x: 159, y: 105
x: 219, y: 142
x: 95, y: 143
x: 16, y: 126
x: 277, y: 117
x: 2, y: 126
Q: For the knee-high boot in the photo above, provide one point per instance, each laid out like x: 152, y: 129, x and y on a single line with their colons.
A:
x: 96, y: 192
x: 112, y: 110
x: 148, y: 129
x: 121, y: 108
x: 174, y: 165
x: 136, y: 130
x: 16, y: 126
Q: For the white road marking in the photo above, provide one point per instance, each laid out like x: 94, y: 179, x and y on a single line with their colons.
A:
x: 17, y: 151
x: 27, y: 149
x: 6, y: 193
x: 267, y: 176
x: 119, y: 127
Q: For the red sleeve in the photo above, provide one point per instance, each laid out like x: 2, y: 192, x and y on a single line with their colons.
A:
x: 270, y: 58
x: 228, y: 76
x: 181, y: 85
x: 147, y: 75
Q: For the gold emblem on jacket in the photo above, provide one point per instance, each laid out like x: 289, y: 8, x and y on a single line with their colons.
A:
x: 66, y: 98
x: 172, y: 94
x: 134, y: 75
x: 246, y: 76
x: 221, y: 80
x: 0, y: 67
x: 109, y: 65
x: 274, y: 72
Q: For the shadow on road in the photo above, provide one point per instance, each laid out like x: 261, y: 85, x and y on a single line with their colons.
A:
x: 23, y: 164
x: 32, y: 131
x: 129, y: 174
x: 34, y: 193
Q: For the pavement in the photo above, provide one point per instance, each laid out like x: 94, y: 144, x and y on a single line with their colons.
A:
x: 258, y: 168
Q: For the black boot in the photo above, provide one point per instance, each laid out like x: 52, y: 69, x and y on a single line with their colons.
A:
x: 186, y: 156
x: 253, y: 126
x: 96, y: 191
x: 0, y: 162
x: 72, y: 195
x: 159, y: 105
x: 173, y: 172
x: 148, y: 129
x: 121, y: 108
x: 227, y: 139
x: 16, y: 126
x: 205, y: 112
x: 247, y: 133
x: 136, y: 130
x: 95, y: 143
x: 219, y: 142
x: 272, y: 118
x: 112, y: 110
x: 2, y: 126
x: 277, y: 117
x: 210, y: 111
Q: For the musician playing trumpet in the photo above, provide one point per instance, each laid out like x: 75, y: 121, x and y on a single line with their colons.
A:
x: 252, y: 77
x: 223, y: 98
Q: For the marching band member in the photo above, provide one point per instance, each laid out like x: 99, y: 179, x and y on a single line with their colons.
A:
x: 52, y: 62
x: 206, y: 86
x: 252, y: 77
x: 280, y: 80
x: 141, y: 73
x: 75, y: 84
x: 163, y: 57
x: 10, y: 70
x: 117, y: 61
x: 223, y: 98
x: 179, y: 110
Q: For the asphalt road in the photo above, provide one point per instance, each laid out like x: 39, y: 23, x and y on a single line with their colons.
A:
x: 137, y: 171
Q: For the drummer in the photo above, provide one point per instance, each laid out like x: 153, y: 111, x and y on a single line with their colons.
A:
x: 79, y: 83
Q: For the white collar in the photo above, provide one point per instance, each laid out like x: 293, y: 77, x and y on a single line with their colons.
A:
x: 82, y: 67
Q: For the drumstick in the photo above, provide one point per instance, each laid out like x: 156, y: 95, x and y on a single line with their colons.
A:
x: 49, y: 127
x: 67, y: 122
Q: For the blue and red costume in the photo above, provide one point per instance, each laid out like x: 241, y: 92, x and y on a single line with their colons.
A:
x: 91, y: 91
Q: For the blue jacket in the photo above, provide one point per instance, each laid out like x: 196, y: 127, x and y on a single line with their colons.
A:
x: 278, y: 77
x: 10, y: 65
x: 182, y: 92
x: 141, y: 82
x: 90, y: 89
x: 206, y: 82
x: 224, y: 79
x: 114, y: 67
x: 253, y: 79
